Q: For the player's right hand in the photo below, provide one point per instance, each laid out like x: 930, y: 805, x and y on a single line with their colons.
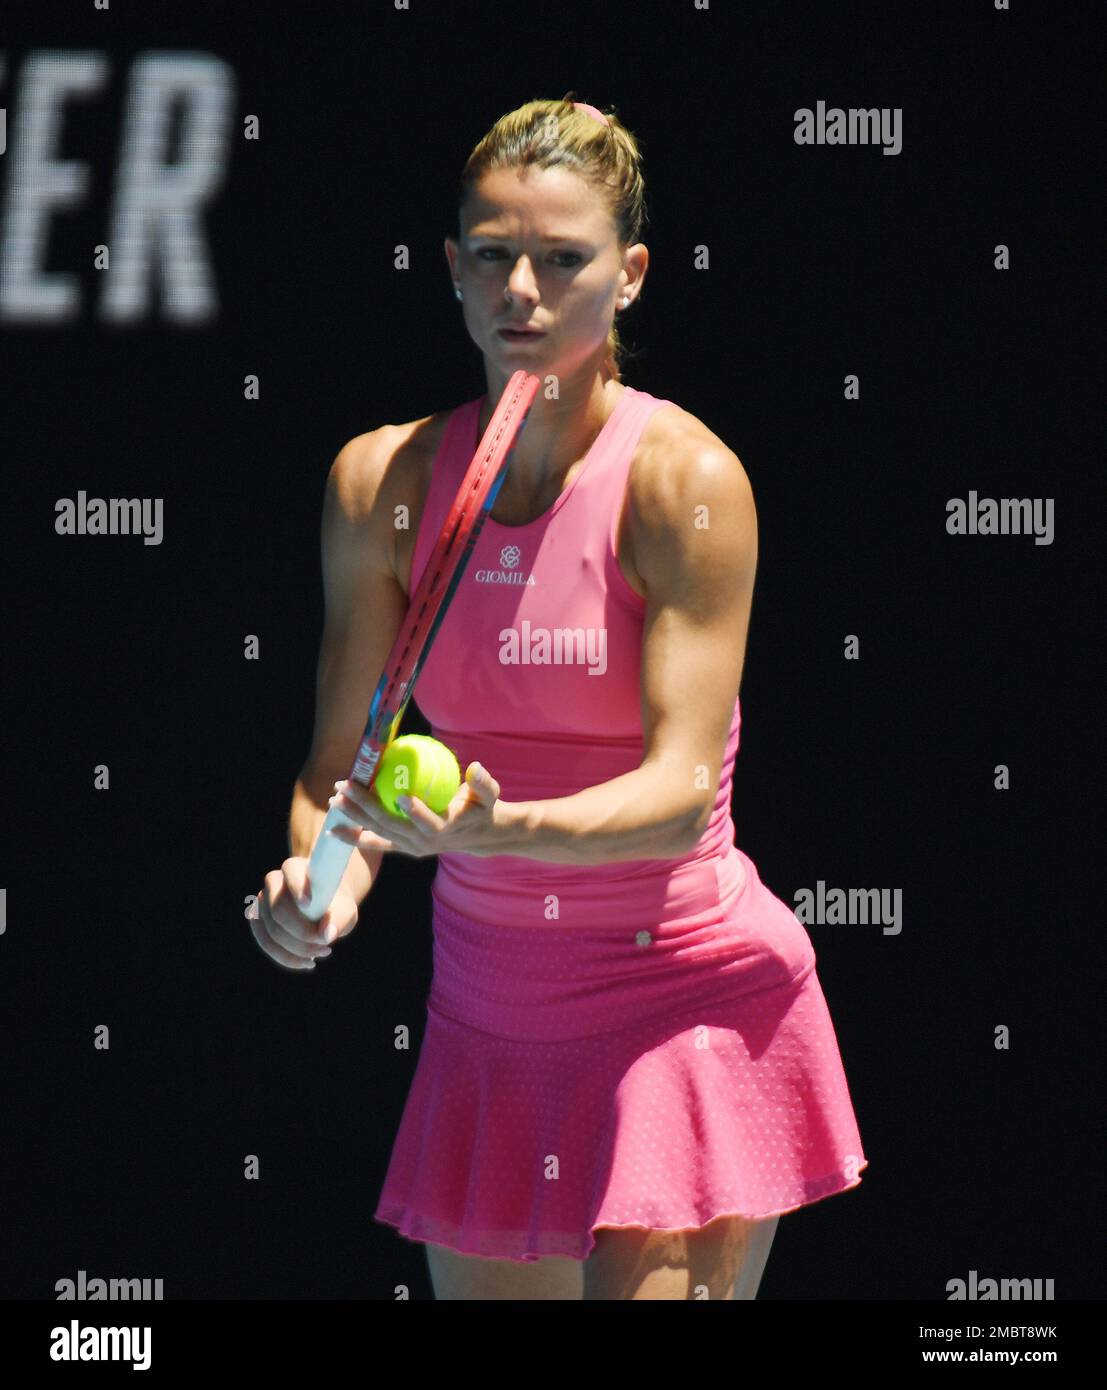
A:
x: 281, y: 929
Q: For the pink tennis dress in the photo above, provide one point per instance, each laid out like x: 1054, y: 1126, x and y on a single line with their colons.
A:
x: 638, y: 1043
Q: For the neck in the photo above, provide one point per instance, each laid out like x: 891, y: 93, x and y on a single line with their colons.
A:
x: 557, y: 432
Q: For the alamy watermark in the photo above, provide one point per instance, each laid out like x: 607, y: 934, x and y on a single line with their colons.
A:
x: 1001, y: 516
x: 851, y: 907
x: 831, y: 125
x: 1021, y: 1290
x: 125, y: 1290
x: 111, y: 516
x: 84, y: 1344
x: 554, y: 646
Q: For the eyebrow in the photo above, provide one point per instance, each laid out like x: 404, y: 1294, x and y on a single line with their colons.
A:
x: 501, y: 236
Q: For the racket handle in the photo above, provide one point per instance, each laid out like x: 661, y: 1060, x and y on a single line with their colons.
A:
x: 327, y: 864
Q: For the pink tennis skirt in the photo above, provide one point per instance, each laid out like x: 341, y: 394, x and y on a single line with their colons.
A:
x: 572, y: 1078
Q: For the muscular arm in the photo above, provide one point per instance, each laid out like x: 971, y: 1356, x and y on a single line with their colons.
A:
x: 365, y: 606
x: 695, y: 547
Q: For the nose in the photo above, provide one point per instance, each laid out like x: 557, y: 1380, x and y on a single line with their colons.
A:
x: 521, y: 282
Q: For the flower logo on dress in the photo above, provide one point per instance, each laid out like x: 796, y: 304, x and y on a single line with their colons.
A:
x: 510, y: 556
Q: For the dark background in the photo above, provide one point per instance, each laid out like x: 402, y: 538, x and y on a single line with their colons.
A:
x: 125, y: 908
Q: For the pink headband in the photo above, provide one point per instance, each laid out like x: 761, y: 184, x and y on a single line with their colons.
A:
x: 596, y: 115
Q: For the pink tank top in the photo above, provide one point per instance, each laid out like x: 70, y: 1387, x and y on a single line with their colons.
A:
x: 535, y: 673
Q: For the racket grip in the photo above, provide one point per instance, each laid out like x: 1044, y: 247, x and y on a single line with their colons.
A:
x: 327, y: 864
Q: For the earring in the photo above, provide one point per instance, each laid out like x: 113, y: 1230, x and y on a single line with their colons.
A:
x: 457, y: 291
x: 624, y: 302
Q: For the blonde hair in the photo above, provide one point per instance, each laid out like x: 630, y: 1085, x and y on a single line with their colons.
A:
x: 557, y: 133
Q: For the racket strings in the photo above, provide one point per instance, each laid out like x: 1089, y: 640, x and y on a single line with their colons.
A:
x: 441, y: 578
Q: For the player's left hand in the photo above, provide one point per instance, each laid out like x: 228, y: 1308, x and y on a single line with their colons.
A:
x: 472, y: 824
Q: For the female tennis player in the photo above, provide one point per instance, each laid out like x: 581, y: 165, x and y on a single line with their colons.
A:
x: 629, y: 1071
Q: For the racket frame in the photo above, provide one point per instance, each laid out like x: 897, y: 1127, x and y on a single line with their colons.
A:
x: 425, y: 613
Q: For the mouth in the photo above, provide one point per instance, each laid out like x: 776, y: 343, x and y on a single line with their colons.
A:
x: 520, y: 335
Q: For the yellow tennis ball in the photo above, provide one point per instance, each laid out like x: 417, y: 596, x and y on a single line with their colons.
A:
x: 416, y: 765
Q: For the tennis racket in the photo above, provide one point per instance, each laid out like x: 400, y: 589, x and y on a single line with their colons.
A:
x: 425, y: 612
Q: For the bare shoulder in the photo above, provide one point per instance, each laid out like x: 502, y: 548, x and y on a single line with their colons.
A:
x: 376, y: 473
x: 372, y: 468
x: 678, y: 453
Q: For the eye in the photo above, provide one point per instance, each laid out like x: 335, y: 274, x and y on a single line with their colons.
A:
x: 496, y: 253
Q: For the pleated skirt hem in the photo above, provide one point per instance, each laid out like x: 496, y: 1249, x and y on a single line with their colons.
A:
x: 507, y: 1245
x: 518, y: 1150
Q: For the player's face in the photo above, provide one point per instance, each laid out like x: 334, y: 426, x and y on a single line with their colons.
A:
x: 538, y: 247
